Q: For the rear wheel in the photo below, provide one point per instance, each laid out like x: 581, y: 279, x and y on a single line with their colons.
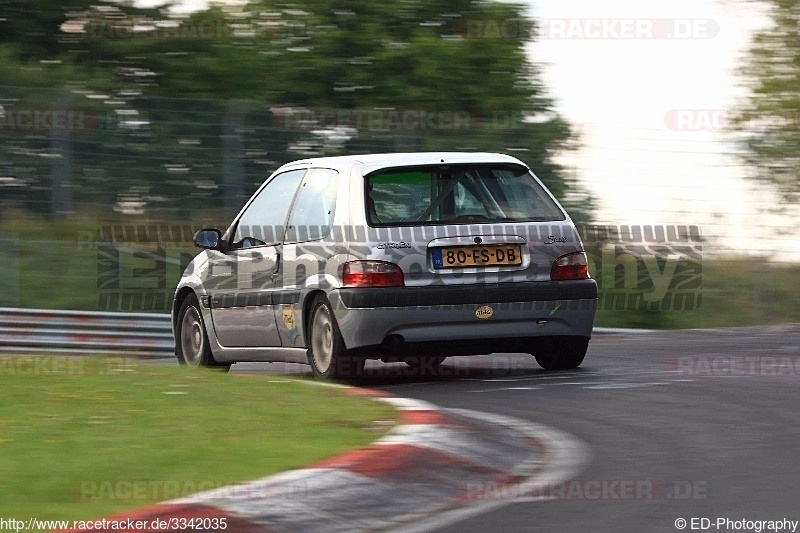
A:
x: 192, y: 347
x: 562, y: 353
x: 327, y: 353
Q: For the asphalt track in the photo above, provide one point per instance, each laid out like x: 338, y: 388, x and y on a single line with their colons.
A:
x: 680, y: 424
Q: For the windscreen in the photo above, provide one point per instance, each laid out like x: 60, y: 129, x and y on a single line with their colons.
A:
x: 457, y: 194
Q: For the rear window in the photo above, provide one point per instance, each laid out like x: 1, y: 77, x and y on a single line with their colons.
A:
x: 457, y: 194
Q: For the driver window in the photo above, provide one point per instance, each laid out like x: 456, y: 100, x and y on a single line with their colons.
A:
x: 263, y: 221
x: 312, y: 212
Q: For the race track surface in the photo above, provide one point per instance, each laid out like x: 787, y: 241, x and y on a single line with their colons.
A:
x: 679, y: 424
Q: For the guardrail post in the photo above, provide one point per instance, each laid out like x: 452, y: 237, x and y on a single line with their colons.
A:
x: 61, y: 168
x: 9, y: 279
x: 232, y: 156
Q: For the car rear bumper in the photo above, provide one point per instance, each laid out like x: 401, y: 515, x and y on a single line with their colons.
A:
x: 367, y: 317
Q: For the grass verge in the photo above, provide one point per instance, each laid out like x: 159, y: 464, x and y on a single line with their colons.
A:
x: 735, y: 292
x: 83, y: 438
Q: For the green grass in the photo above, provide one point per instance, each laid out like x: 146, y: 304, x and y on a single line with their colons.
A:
x: 735, y: 292
x: 67, y: 265
x: 83, y: 438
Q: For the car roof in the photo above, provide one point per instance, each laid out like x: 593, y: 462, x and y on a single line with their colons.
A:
x: 372, y: 162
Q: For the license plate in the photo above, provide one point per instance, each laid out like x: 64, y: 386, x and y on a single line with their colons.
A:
x: 468, y: 256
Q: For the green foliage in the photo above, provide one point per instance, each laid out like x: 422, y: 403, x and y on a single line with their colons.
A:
x: 770, y: 119
x: 240, y: 69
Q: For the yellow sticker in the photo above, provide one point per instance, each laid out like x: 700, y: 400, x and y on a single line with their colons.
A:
x: 288, y: 318
x: 484, y: 312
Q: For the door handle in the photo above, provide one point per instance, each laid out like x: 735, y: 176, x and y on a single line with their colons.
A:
x: 277, y: 264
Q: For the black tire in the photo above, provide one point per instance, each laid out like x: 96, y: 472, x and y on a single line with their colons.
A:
x: 562, y: 353
x: 327, y: 353
x: 191, y: 340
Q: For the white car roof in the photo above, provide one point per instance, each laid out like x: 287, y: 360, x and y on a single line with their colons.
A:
x: 372, y: 162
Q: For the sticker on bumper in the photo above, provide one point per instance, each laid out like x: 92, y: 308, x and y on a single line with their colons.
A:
x: 484, y: 312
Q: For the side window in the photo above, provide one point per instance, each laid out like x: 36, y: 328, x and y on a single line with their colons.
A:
x: 263, y: 220
x: 312, y: 212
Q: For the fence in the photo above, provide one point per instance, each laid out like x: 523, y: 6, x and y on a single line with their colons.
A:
x: 166, y: 159
x: 142, y: 161
x: 64, y: 151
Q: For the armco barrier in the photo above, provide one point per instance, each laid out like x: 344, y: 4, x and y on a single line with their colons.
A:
x: 94, y: 332
x: 85, y: 332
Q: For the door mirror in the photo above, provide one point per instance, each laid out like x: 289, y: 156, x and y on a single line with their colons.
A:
x: 208, y: 238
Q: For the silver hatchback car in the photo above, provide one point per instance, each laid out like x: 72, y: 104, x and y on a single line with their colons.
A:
x: 398, y: 257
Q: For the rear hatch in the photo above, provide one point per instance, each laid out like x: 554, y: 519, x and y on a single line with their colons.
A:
x: 466, y: 223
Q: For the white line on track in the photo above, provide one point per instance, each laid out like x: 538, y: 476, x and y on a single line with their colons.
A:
x: 565, y: 457
x: 503, y: 389
x: 604, y: 386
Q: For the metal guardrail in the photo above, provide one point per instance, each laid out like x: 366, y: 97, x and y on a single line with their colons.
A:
x: 85, y: 332
x: 25, y: 331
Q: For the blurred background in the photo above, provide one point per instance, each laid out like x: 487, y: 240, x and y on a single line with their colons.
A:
x: 125, y: 126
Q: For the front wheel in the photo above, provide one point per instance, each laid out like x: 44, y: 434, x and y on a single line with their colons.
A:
x: 327, y: 353
x: 562, y: 353
x: 192, y: 346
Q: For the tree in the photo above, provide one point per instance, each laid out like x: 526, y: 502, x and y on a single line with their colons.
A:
x: 769, y: 122
x: 438, y: 75
x: 39, y: 47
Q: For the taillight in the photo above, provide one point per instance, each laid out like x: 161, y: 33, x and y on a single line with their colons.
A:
x: 372, y: 274
x: 572, y: 266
